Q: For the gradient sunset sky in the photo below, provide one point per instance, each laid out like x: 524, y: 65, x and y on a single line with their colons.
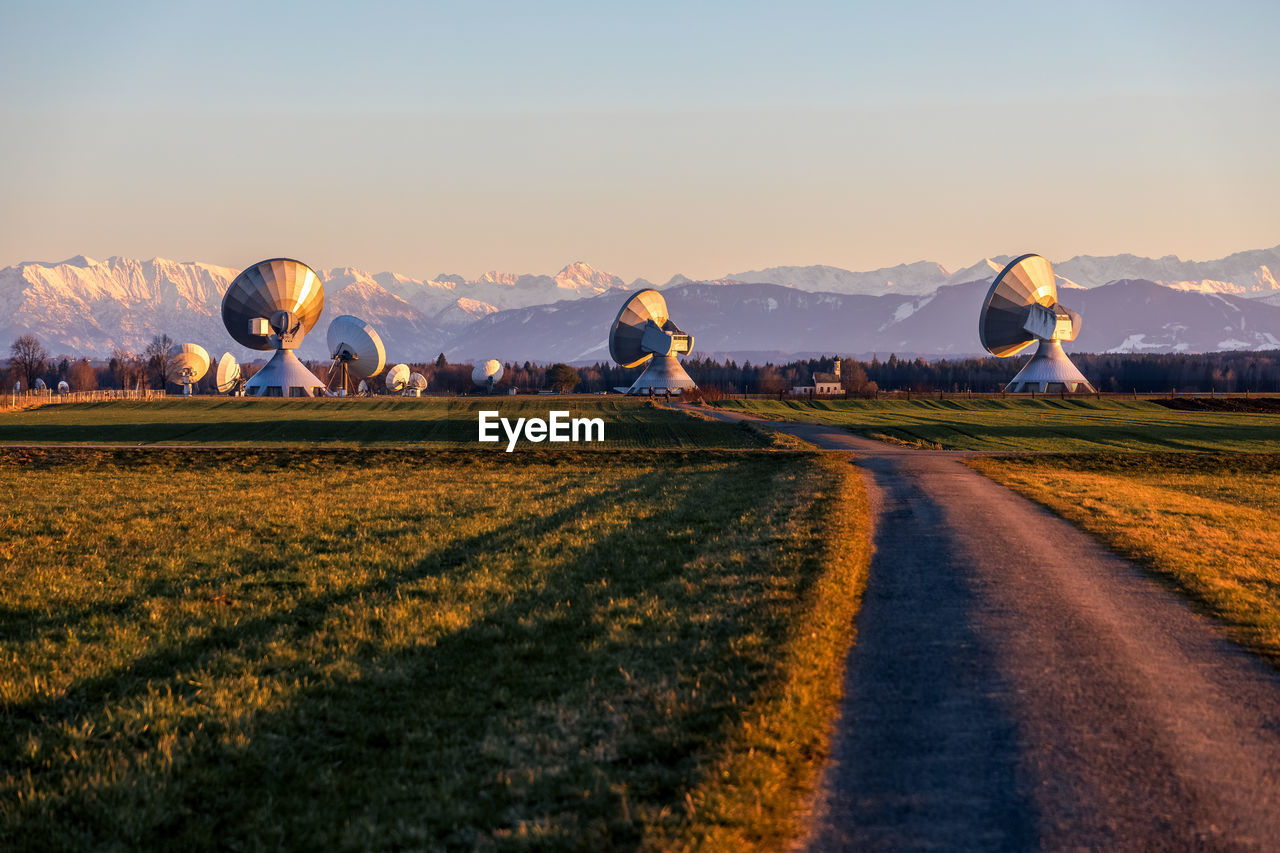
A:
x: 644, y: 138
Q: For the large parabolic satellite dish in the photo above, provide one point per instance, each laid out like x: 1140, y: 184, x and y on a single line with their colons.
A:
x: 227, y: 378
x: 190, y: 362
x: 357, y: 353
x: 642, y: 332
x: 487, y: 374
x: 272, y: 305
x: 1022, y: 308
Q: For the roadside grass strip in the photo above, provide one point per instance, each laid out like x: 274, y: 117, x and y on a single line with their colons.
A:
x: 1205, y: 523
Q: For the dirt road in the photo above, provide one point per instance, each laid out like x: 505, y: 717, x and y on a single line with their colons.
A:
x: 1016, y: 686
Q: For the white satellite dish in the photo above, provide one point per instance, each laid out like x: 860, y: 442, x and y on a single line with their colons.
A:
x: 417, y: 384
x: 487, y: 375
x: 40, y: 386
x: 642, y: 332
x: 363, y: 388
x: 1021, y: 308
x: 189, y: 362
x: 272, y: 305
x: 356, y: 350
x: 398, y: 378
x: 63, y: 387
x: 227, y: 378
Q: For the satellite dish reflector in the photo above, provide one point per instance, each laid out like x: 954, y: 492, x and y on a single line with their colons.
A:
x: 643, y: 331
x: 417, y: 381
x: 356, y: 350
x: 488, y: 374
x: 363, y: 388
x: 357, y: 343
x: 227, y: 377
x: 40, y: 386
x: 398, y: 378
x: 272, y: 305
x: 190, y: 362
x: 63, y: 387
x: 1021, y: 308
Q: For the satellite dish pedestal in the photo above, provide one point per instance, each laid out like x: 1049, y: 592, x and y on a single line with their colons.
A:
x: 1050, y: 364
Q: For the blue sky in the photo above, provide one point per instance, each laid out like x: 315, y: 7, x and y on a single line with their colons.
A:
x: 647, y: 139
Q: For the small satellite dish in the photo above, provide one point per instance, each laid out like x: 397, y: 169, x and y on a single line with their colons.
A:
x: 227, y: 377
x: 363, y: 388
x: 189, y: 362
x: 417, y: 384
x: 40, y: 386
x: 63, y: 387
x: 642, y: 332
x: 487, y: 375
x: 398, y: 378
x: 272, y: 305
x: 1021, y: 308
x: 356, y: 350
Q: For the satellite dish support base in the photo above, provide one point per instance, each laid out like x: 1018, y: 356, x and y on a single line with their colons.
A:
x: 663, y: 373
x: 1049, y: 371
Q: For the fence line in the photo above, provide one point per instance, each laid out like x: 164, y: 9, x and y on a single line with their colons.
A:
x: 47, y: 396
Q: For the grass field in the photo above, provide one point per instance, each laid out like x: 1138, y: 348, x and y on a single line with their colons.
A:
x: 329, y: 649
x: 1206, y: 523
x: 1044, y: 424
x: 386, y: 421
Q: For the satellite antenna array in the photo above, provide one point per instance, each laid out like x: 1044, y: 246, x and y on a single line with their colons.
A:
x: 272, y: 305
x: 189, y: 362
x: 487, y: 375
x: 643, y: 331
x: 227, y: 379
x: 1022, y: 308
x: 357, y: 353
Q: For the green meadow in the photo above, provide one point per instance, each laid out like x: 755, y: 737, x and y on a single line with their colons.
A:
x: 1040, y: 425
x: 337, y: 647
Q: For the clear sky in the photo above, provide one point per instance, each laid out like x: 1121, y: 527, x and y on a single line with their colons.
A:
x: 645, y: 138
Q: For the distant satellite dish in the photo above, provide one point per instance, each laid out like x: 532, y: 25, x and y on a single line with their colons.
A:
x: 642, y: 332
x: 1021, y: 308
x: 272, y: 305
x: 189, y: 363
x: 417, y: 384
x: 227, y: 377
x: 363, y: 388
x: 488, y: 374
x: 356, y: 350
x: 63, y: 387
x: 398, y: 378
x: 40, y: 386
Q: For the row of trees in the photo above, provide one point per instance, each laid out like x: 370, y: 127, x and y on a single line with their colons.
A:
x: 1145, y: 373
x: 29, y: 361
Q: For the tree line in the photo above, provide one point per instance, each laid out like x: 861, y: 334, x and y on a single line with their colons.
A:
x: 1112, y: 372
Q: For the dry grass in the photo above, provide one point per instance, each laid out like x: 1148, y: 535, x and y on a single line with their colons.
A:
x: 359, y: 650
x: 1204, y: 522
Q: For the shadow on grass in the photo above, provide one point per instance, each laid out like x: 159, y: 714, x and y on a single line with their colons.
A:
x: 537, y: 722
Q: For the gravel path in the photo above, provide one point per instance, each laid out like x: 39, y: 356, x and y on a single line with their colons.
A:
x: 1016, y: 686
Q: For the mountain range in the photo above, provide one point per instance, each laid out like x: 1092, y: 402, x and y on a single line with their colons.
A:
x: 83, y: 307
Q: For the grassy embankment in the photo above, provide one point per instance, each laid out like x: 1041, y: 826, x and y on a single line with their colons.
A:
x: 1044, y: 424
x: 302, y: 648
x: 385, y: 421
x: 1205, y: 523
